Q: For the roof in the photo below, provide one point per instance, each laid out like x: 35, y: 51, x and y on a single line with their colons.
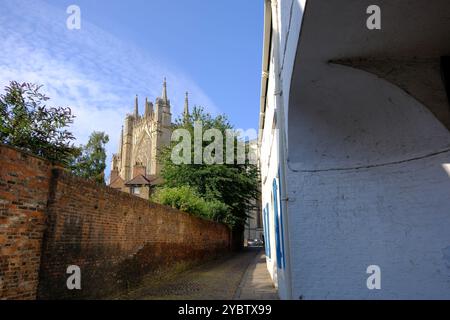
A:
x: 141, y: 180
x: 117, y: 183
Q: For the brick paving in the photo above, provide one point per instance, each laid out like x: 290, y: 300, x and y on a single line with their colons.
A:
x: 235, y: 276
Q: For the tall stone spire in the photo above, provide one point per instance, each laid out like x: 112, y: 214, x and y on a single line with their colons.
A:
x: 121, y: 142
x: 164, y: 92
x: 136, y: 108
x: 186, y: 106
x: 147, y: 111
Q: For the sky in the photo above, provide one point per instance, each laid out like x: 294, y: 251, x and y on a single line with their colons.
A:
x: 210, y: 48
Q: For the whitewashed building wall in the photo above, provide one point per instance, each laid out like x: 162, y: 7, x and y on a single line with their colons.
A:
x: 360, y: 161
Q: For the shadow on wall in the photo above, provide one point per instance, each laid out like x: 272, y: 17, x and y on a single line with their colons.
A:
x: 349, y: 118
x: 117, y: 239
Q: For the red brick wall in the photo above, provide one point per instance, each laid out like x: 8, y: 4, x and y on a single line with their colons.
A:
x: 24, y: 186
x: 113, y: 237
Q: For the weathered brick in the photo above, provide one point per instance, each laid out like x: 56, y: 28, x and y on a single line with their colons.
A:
x: 114, y: 237
x: 19, y: 235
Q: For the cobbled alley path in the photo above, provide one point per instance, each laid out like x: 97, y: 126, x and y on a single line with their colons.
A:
x: 236, y: 276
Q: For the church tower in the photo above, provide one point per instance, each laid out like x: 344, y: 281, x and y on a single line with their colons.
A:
x: 136, y: 164
x: 164, y: 119
x: 163, y: 107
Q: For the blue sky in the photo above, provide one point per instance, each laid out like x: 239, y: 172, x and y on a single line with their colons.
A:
x: 210, y: 48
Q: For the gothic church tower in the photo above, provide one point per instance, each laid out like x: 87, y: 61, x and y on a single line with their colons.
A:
x: 135, y: 167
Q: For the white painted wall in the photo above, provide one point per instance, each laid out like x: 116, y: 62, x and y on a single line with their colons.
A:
x: 288, y: 14
x: 269, y: 169
x: 367, y: 164
x: 392, y: 210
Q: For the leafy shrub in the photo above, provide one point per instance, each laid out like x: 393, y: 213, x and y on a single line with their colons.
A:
x: 187, y: 199
x: 28, y: 123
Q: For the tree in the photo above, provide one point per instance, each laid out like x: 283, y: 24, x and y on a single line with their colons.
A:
x: 90, y: 161
x: 235, y: 185
x: 28, y: 123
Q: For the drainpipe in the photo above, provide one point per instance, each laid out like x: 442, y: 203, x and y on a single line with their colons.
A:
x: 282, y: 149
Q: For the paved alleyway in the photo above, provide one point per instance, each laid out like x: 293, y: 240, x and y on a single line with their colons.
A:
x: 257, y: 284
x: 237, y: 276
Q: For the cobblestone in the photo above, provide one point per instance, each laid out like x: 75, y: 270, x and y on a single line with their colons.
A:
x: 235, y: 276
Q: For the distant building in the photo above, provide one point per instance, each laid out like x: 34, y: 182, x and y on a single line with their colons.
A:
x: 355, y: 148
x: 135, y: 168
x: 254, y: 227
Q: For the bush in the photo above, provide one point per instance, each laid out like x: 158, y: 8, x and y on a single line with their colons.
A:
x: 187, y: 199
x: 26, y: 122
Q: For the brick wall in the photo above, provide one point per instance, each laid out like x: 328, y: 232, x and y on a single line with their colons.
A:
x: 24, y: 186
x: 116, y: 239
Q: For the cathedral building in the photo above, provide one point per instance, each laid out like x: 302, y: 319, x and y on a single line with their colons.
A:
x: 135, y: 168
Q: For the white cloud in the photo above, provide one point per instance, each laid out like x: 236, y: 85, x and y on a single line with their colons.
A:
x: 89, y: 70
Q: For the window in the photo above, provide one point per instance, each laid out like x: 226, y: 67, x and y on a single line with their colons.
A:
x: 136, y: 190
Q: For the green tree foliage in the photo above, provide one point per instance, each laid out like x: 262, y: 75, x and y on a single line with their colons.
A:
x: 234, y: 185
x: 187, y: 199
x: 28, y: 123
x: 90, y: 162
